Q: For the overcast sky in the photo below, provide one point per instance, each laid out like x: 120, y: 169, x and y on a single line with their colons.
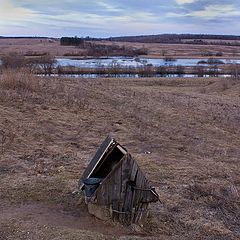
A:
x: 104, y: 18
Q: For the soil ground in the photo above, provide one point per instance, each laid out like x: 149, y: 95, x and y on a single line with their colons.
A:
x: 184, y: 134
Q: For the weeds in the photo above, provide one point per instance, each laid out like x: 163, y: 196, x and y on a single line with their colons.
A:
x: 2, y: 140
x: 235, y: 71
x: 6, y: 139
x: 222, y: 198
x: 13, y: 61
x: 23, y: 86
x: 18, y: 80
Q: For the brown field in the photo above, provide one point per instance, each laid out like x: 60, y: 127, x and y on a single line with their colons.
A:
x: 156, y: 50
x: 51, y: 127
x: 159, y: 50
x: 37, y: 46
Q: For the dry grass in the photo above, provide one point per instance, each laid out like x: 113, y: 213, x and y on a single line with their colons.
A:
x: 192, y: 136
x: 37, y: 47
x: 22, y: 85
x: 182, y: 50
x: 20, y: 81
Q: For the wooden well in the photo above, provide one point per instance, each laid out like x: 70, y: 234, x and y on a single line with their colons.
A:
x: 124, y: 192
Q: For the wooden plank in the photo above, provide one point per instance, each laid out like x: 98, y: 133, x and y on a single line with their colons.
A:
x: 139, y: 180
x: 126, y: 171
x: 126, y: 191
x: 140, y: 185
x: 125, y: 175
x: 133, y: 206
x: 119, y: 183
x: 127, y: 204
x: 136, y: 196
x: 97, y: 158
x: 134, y: 171
x: 115, y: 191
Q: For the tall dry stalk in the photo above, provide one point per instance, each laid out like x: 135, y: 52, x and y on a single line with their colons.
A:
x: 18, y: 80
x: 6, y: 139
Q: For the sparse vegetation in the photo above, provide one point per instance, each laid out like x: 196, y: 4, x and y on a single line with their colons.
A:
x: 98, y: 50
x: 13, y: 61
x: 46, y: 63
x: 235, y: 70
x: 169, y: 59
x: 191, y: 162
x: 200, y: 71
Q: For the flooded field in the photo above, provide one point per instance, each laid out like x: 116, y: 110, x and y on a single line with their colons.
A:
x: 139, y: 62
x: 95, y: 75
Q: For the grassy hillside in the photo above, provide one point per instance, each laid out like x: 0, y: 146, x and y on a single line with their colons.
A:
x: 51, y: 127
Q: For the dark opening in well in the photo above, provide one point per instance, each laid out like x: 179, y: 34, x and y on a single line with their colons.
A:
x: 108, y: 162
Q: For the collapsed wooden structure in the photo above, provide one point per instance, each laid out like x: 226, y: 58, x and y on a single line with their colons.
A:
x: 115, y: 187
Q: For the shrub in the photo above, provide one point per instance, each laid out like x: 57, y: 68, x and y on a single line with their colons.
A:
x: 180, y: 70
x: 21, y: 81
x: 200, y: 71
x: 235, y: 70
x: 214, y: 61
x: 46, y: 63
x: 207, y: 54
x: 213, y: 70
x: 169, y: 59
x: 162, y: 71
x: 219, y: 54
x: 13, y: 60
x: 97, y: 50
x: 147, y: 70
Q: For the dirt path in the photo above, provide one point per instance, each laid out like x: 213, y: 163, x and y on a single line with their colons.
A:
x: 33, y: 215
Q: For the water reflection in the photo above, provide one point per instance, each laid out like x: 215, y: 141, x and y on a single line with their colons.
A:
x: 129, y: 75
x: 139, y: 62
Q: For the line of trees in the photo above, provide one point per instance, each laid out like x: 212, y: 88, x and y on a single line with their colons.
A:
x: 201, y: 39
x: 98, y: 50
x: 71, y: 41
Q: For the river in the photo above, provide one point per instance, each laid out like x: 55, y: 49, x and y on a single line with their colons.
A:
x: 135, y: 62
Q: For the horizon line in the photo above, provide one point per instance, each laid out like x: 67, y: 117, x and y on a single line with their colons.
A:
x: 140, y: 35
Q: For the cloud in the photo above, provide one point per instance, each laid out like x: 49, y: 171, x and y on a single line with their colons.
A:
x: 211, y: 12
x: 185, y: 1
x: 11, y: 13
x: 216, y: 11
x: 117, y: 17
x: 109, y: 7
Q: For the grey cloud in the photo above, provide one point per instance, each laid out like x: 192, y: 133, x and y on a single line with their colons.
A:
x: 119, y: 17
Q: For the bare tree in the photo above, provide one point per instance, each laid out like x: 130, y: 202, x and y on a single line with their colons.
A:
x: 46, y: 63
x: 180, y: 70
x: 13, y: 60
x: 200, y: 71
x: 235, y: 70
